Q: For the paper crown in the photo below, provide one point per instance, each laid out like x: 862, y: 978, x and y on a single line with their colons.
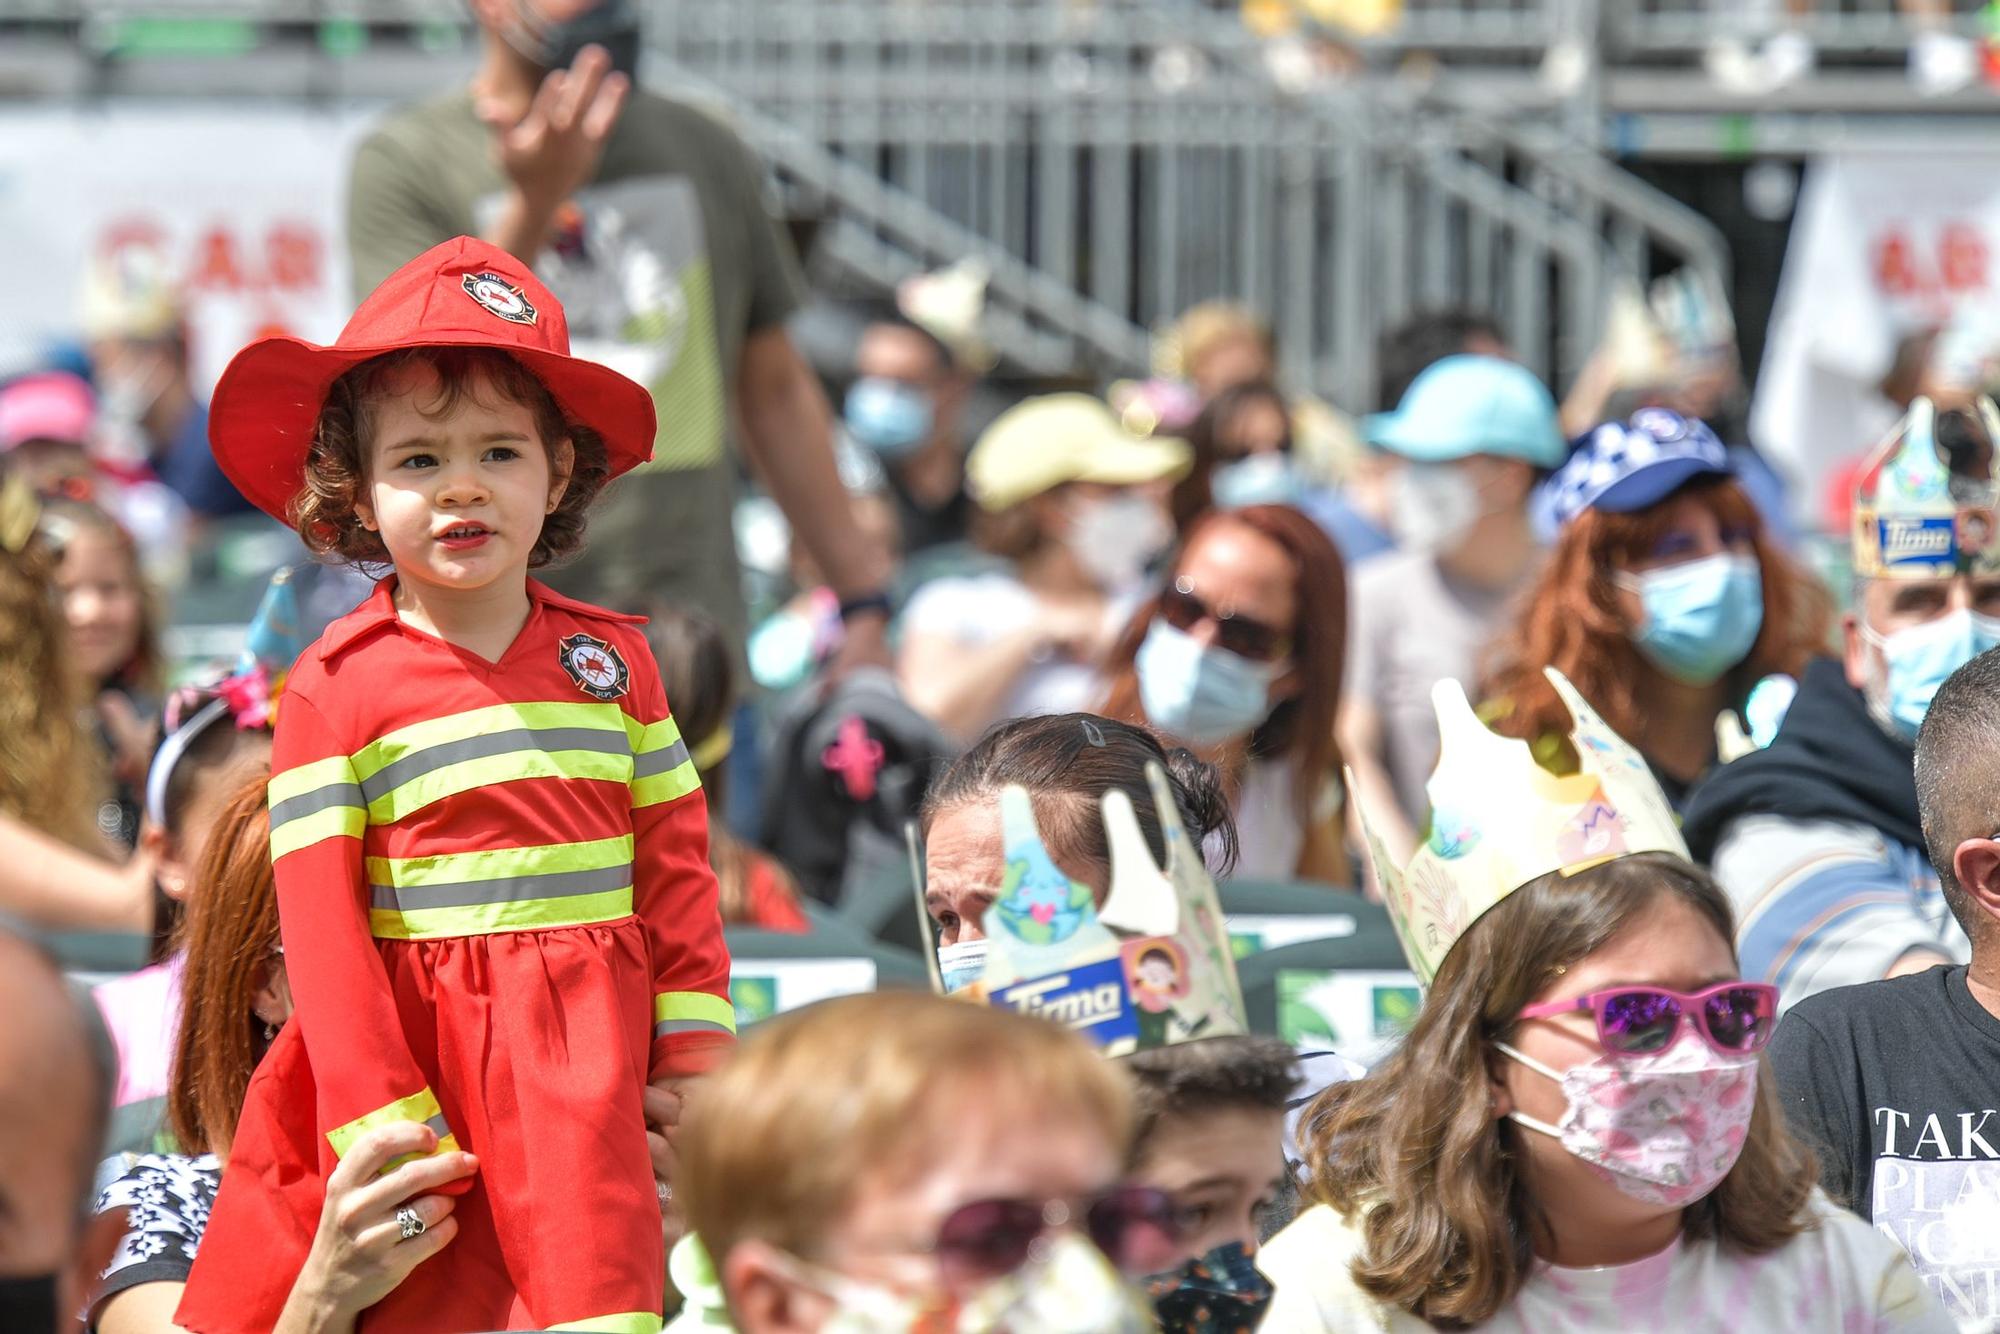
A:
x: 1914, y: 516
x: 248, y: 693
x: 1499, y: 820
x: 1151, y: 968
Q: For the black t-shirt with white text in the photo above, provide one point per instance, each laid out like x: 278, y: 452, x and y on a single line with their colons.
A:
x: 1896, y: 1085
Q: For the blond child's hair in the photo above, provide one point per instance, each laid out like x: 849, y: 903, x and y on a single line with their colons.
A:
x: 776, y: 1145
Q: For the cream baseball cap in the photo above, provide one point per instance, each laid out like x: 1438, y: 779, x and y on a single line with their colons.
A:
x: 1041, y: 443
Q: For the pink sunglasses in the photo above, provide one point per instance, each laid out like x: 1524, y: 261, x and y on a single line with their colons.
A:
x: 1736, y: 1018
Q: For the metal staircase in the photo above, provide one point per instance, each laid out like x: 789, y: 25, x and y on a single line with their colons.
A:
x: 1065, y: 142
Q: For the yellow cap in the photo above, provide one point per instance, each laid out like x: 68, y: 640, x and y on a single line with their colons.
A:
x: 1041, y: 443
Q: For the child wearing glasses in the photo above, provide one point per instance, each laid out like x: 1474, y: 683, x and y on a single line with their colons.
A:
x: 1579, y: 1133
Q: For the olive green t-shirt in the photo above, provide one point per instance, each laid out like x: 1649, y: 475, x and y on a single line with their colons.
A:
x: 663, y: 264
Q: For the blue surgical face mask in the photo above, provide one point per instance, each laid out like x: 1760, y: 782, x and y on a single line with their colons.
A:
x: 1701, y: 616
x: 888, y: 416
x: 1918, y: 660
x: 1200, y: 693
x: 960, y: 965
x: 1270, y: 478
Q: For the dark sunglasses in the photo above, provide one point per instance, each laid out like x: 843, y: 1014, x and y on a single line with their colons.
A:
x: 1135, y: 1226
x: 1736, y: 1018
x: 1241, y: 635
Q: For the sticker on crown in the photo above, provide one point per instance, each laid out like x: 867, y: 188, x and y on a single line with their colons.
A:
x: 1091, y: 999
x: 499, y: 297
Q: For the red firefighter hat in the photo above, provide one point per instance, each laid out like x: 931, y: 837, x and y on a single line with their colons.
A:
x: 464, y: 293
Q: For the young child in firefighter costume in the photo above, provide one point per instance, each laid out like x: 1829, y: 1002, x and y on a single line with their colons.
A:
x: 490, y: 844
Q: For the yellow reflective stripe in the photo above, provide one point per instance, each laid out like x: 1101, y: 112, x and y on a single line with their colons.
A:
x: 301, y: 779
x: 333, y: 822
x: 625, y: 1322
x: 466, y: 775
x: 669, y: 786
x: 499, y: 863
x: 404, y: 742
x: 689, y: 1011
x: 480, y: 919
x: 312, y: 802
x: 419, y: 1106
x: 655, y: 736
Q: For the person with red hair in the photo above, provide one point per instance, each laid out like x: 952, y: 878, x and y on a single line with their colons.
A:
x: 1664, y: 600
x: 1239, y: 658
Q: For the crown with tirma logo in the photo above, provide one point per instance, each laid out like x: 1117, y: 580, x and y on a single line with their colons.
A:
x: 1499, y: 820
x: 1926, y: 510
x: 1150, y: 968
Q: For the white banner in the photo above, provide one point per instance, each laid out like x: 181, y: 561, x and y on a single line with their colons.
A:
x: 244, y: 199
x: 1883, y: 245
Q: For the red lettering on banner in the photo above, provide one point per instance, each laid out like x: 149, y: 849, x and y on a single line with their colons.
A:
x: 1962, y: 257
x: 1895, y: 269
x: 293, y: 253
x: 214, y: 262
x: 1951, y: 263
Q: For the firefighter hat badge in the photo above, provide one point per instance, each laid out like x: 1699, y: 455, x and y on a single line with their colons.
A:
x: 595, y: 666
x: 500, y: 297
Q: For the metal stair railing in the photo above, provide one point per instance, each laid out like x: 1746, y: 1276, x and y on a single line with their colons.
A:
x: 1132, y: 157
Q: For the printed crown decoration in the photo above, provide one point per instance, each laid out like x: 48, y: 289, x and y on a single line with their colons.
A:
x: 1499, y: 820
x: 1914, y: 517
x: 1151, y: 968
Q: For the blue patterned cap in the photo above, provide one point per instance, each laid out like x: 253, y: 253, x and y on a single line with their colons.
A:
x: 1628, y: 465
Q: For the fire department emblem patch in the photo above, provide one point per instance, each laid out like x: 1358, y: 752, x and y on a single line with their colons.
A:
x: 595, y: 666
x: 500, y: 297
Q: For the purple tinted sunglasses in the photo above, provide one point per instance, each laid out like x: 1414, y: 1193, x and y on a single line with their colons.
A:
x: 1135, y: 1226
x: 1736, y: 1018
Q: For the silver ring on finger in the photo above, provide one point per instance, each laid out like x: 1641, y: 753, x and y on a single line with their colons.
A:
x: 663, y: 1190
x: 410, y: 1223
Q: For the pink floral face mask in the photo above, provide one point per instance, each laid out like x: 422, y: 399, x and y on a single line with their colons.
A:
x: 1664, y: 1127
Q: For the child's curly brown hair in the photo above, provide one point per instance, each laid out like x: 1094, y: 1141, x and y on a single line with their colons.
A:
x: 324, y: 510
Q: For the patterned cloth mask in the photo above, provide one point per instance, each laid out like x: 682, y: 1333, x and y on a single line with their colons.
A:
x: 1221, y: 1292
x: 1664, y: 1127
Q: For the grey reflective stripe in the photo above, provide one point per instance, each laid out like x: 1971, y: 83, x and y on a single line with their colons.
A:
x: 666, y: 1026
x: 312, y: 803
x: 437, y: 1125
x: 660, y: 761
x: 387, y: 780
x: 468, y: 893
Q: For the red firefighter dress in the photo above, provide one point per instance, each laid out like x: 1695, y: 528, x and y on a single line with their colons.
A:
x: 499, y: 919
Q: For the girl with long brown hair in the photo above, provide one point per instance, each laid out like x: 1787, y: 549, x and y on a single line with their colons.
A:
x: 1579, y: 1132
x: 1239, y: 657
x: 1664, y: 600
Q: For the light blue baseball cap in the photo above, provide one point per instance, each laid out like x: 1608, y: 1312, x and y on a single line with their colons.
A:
x: 1468, y: 405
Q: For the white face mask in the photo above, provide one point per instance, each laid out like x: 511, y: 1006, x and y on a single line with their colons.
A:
x: 1431, y: 505
x: 1115, y: 539
x: 1069, y: 1288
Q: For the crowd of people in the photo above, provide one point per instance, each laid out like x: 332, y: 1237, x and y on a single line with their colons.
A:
x: 431, y: 890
